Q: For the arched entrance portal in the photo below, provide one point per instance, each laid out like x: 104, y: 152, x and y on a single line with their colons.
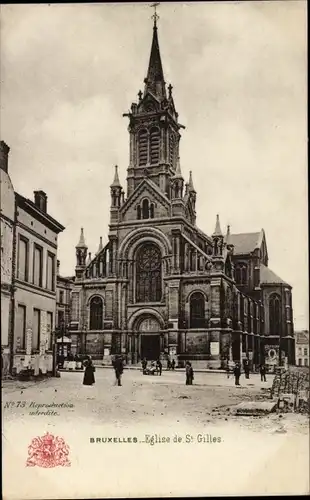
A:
x: 149, y: 329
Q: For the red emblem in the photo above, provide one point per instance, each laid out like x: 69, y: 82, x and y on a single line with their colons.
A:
x: 48, y: 451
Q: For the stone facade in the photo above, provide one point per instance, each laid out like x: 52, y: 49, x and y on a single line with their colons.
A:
x: 160, y: 286
x: 302, y: 348
x: 29, y: 237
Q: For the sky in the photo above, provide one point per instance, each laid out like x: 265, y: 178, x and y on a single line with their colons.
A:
x: 238, y: 70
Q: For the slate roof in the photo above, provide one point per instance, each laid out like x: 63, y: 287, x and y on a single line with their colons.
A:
x: 245, y: 243
x: 269, y: 277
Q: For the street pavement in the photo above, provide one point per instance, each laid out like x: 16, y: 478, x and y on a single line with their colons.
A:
x: 245, y: 459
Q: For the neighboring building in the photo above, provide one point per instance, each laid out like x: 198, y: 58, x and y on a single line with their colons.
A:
x: 64, y: 288
x: 302, y: 348
x: 35, y: 283
x: 7, y: 216
x: 161, y: 285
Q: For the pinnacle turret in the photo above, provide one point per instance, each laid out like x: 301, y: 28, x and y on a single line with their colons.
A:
x: 100, y: 245
x: 116, y: 182
x: 178, y: 173
x: 81, y: 243
x: 191, y: 188
x: 217, y: 230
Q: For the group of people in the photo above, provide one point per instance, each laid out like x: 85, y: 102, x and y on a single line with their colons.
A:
x: 89, y: 377
x: 246, y: 367
x: 156, y: 367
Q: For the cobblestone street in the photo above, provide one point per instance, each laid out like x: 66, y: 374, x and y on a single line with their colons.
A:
x: 160, y: 407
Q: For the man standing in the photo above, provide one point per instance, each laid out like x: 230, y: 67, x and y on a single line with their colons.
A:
x: 173, y: 364
x: 262, y: 373
x: 118, y: 368
x: 247, y: 368
x: 159, y: 366
x: 189, y: 373
x: 237, y: 373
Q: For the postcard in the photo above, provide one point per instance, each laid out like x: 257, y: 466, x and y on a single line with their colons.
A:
x: 154, y: 251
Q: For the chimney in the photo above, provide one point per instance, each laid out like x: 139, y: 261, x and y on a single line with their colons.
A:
x: 4, y: 156
x: 58, y: 266
x: 40, y: 200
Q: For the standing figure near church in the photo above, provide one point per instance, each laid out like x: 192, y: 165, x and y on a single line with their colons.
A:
x: 144, y: 364
x: 89, y: 378
x: 159, y: 366
x: 262, y: 371
x: 189, y: 373
x: 246, y: 368
x: 237, y: 373
x: 168, y: 363
x: 118, y: 369
x: 173, y: 364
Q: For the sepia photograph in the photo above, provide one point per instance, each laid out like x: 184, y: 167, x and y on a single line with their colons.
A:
x: 154, y: 250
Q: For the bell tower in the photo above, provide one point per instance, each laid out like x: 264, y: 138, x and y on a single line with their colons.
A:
x: 154, y: 129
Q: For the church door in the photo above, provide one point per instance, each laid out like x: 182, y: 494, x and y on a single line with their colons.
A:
x: 150, y: 339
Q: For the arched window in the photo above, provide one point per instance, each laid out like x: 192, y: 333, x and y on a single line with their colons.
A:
x: 275, y: 314
x: 142, y: 146
x: 138, y: 212
x: 145, y: 209
x: 241, y: 274
x: 154, y: 145
x: 96, y: 313
x: 197, y: 310
x: 152, y: 211
x: 148, y: 274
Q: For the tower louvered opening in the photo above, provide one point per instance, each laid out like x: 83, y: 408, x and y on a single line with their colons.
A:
x: 154, y: 145
x: 142, y: 147
x: 171, y: 149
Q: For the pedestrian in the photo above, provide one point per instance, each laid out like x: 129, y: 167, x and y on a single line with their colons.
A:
x: 247, y: 368
x: 227, y: 367
x: 118, y: 368
x: 168, y: 363
x: 159, y: 366
x: 89, y: 377
x: 262, y: 373
x: 144, y: 364
x: 237, y: 373
x: 173, y: 364
x: 189, y: 373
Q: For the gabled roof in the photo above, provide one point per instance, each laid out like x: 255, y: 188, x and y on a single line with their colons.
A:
x: 150, y: 185
x: 269, y: 277
x: 246, y: 243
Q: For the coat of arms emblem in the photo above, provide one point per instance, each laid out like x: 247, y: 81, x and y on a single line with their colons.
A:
x: 48, y: 451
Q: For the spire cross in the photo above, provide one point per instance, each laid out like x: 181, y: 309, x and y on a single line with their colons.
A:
x: 155, y: 16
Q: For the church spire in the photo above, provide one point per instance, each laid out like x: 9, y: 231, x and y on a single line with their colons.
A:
x: 154, y: 82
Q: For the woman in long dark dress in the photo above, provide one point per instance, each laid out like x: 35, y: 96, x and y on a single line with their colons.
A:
x: 89, y: 377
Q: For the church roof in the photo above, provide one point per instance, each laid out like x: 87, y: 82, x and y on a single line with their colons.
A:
x: 269, y: 277
x: 245, y: 243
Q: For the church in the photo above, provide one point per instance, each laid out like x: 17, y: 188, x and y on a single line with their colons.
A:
x: 162, y: 287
